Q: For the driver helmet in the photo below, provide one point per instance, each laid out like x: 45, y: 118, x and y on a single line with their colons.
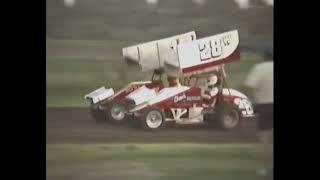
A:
x: 173, y: 80
x: 212, y: 81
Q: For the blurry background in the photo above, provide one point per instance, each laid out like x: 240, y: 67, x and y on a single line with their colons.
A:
x: 84, y: 38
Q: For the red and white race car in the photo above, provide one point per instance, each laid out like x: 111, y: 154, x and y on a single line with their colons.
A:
x: 106, y: 105
x: 151, y: 104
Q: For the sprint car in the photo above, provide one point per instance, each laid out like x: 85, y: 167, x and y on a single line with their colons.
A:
x: 151, y: 105
x: 185, y: 105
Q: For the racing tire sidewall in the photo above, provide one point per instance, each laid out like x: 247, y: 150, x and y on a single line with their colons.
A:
x: 146, y: 119
x: 229, y: 117
x: 112, y: 116
x: 97, y: 114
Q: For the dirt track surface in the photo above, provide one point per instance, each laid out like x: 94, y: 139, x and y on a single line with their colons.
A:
x: 75, y: 125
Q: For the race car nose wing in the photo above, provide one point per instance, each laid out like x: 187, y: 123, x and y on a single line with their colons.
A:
x: 99, y: 95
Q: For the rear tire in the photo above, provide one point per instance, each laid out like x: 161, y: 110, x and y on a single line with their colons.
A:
x: 229, y: 117
x: 152, y: 119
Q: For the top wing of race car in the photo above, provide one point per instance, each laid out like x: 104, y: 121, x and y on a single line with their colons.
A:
x: 206, y: 53
x: 185, y: 54
x: 152, y: 55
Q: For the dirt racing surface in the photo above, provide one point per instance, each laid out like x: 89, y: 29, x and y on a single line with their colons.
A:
x: 75, y: 125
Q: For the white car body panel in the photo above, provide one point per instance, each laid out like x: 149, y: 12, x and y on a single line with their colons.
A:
x: 162, y: 95
x: 129, y: 85
x: 167, y: 93
x: 100, y: 94
x: 142, y: 95
x: 233, y: 92
x: 241, y: 101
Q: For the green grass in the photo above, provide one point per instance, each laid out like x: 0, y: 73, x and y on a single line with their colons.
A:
x: 156, y: 161
x: 133, y: 20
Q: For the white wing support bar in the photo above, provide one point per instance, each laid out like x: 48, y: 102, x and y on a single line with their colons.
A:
x: 99, y: 95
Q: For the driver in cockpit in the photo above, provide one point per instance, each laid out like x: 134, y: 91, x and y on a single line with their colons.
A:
x: 173, y: 81
x: 211, y: 89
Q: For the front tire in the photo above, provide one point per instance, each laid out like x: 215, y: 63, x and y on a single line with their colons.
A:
x: 97, y: 114
x: 152, y: 119
x: 116, y: 112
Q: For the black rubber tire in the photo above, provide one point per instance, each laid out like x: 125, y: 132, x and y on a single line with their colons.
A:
x: 144, y: 122
x: 97, y: 114
x: 108, y: 112
x: 225, y: 113
x: 210, y: 119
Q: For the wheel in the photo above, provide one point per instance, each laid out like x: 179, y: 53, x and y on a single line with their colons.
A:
x: 116, y: 112
x: 210, y: 118
x: 97, y: 114
x: 152, y: 119
x: 229, y: 117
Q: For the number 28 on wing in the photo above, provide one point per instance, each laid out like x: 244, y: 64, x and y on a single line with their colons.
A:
x: 213, y: 48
